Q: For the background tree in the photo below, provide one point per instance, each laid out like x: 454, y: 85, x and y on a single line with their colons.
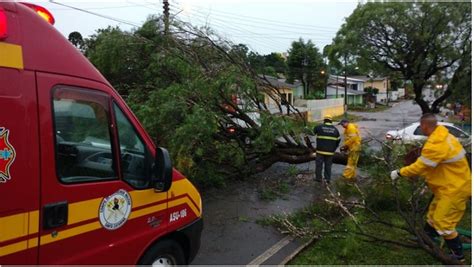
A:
x: 276, y: 61
x: 460, y: 86
x: 256, y: 62
x: 76, y: 39
x: 417, y: 40
x: 305, y: 63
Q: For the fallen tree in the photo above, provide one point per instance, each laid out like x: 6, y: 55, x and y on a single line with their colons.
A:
x: 199, y: 97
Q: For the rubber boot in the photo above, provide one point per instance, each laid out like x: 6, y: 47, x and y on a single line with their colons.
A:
x: 455, y: 246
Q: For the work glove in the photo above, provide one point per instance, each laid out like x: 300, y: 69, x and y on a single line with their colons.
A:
x: 343, y: 148
x: 395, y: 175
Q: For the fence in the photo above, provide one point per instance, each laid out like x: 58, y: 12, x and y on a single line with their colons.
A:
x: 317, y: 109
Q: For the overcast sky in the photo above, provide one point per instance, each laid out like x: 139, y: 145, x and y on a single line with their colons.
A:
x: 264, y: 25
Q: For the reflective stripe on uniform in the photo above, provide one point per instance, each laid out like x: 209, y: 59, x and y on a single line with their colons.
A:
x: 458, y: 157
x: 328, y: 137
x: 428, y: 162
x: 445, y: 232
x: 325, y: 153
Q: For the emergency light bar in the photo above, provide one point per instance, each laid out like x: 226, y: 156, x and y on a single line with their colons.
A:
x: 43, y: 12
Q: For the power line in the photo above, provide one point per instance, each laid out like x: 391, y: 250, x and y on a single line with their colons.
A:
x: 235, y: 29
x: 97, y: 14
x: 273, y: 25
x: 255, y: 35
x: 100, y: 8
x: 227, y: 26
x: 272, y: 22
x: 264, y: 27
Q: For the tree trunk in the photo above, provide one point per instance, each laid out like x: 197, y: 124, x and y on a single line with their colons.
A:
x: 437, y: 102
x: 418, y: 88
x: 262, y: 165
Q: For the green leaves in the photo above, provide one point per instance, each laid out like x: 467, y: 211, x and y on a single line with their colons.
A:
x: 416, y: 40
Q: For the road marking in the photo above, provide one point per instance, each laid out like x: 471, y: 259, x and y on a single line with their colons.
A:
x: 298, y: 250
x: 271, y: 251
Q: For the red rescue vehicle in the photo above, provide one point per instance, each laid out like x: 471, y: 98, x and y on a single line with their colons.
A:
x: 81, y: 182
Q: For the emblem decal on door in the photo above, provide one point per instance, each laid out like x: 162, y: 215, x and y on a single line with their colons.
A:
x: 7, y: 155
x: 115, y: 209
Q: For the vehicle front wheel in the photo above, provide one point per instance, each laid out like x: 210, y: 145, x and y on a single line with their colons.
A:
x: 164, y: 253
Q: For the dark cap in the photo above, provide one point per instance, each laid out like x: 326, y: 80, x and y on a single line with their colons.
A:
x: 343, y: 121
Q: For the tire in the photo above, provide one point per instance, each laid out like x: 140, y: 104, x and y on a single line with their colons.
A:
x: 164, y: 253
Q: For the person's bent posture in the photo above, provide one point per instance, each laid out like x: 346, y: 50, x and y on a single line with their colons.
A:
x: 446, y: 171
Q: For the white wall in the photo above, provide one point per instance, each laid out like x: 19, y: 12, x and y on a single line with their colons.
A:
x: 401, y: 92
x: 317, y: 109
x: 394, y: 95
x: 382, y: 98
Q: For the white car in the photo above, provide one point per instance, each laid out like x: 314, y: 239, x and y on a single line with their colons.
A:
x: 413, y: 133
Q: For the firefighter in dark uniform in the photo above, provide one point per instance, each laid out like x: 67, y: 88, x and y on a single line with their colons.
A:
x: 327, y: 141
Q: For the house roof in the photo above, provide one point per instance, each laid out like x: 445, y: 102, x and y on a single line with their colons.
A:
x: 366, y: 78
x: 360, y: 78
x: 331, y: 90
x: 279, y: 83
x: 349, y: 79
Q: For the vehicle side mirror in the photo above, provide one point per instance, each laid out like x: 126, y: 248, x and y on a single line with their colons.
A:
x: 163, y: 170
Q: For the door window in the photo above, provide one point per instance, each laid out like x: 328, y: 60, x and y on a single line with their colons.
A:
x: 457, y: 133
x: 84, y: 150
x: 136, y: 159
x: 418, y: 131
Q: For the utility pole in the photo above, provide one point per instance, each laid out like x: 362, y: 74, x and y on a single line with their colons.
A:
x: 345, y: 85
x: 325, y: 84
x: 166, y: 15
x: 305, y: 83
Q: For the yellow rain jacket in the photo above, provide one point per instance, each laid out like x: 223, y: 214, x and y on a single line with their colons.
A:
x: 352, y: 141
x: 352, y: 137
x: 446, y: 171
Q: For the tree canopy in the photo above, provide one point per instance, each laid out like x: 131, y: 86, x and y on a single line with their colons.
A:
x: 417, y: 40
x: 305, y: 63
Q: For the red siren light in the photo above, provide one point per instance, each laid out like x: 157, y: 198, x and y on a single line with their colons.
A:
x: 43, y: 12
x: 3, y: 24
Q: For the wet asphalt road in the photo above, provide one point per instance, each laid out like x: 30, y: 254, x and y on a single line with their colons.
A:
x: 399, y: 116
x: 231, y: 234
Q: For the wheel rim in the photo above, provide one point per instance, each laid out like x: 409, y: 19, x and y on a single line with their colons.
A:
x: 164, y: 261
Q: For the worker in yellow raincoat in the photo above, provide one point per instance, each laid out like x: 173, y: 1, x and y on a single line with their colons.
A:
x: 352, y: 146
x: 444, y: 166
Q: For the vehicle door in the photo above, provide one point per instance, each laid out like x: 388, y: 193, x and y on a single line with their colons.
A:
x: 19, y: 165
x: 97, y: 205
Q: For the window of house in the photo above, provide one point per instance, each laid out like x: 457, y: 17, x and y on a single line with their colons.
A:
x: 84, y: 151
x: 136, y: 159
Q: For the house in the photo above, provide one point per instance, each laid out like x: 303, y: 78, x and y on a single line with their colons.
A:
x: 352, y: 83
x: 358, y: 83
x: 286, y: 92
x: 354, y: 97
x: 381, y: 83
